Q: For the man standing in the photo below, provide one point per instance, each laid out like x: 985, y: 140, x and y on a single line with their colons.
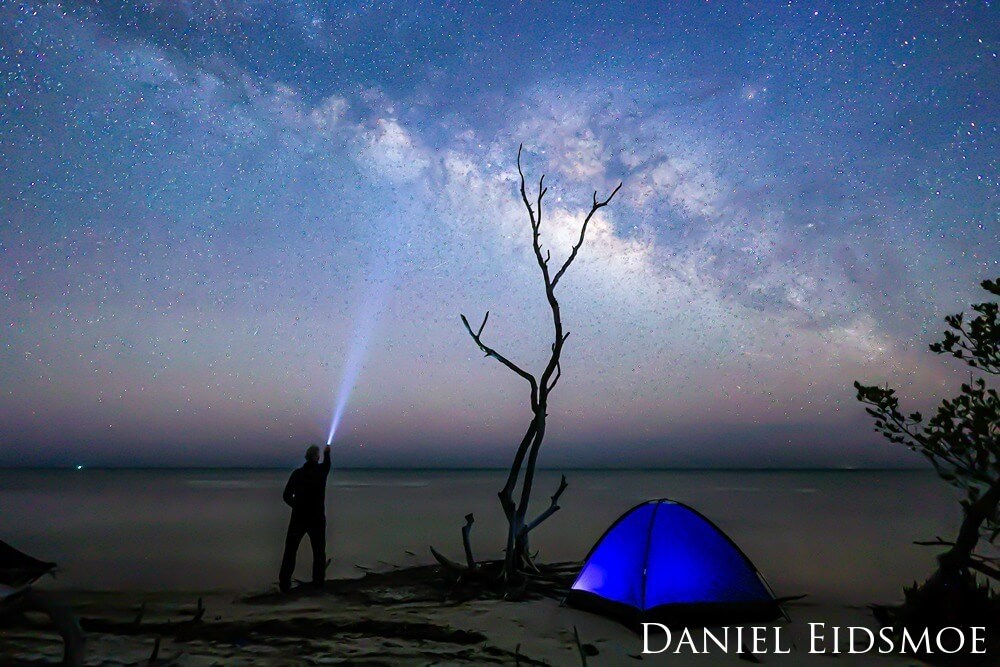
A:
x: 305, y: 493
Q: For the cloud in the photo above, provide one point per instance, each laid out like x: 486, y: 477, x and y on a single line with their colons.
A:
x: 390, y: 151
x: 720, y: 248
x: 715, y: 245
x: 691, y: 187
x: 717, y: 250
x: 564, y: 137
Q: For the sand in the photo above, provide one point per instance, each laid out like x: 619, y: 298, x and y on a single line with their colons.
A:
x: 399, y: 617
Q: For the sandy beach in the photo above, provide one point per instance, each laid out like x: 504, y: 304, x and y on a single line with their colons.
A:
x: 381, y: 619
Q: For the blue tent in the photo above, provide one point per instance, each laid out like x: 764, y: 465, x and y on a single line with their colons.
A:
x: 662, y: 561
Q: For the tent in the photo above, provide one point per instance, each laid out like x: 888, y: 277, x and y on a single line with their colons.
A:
x: 664, y: 562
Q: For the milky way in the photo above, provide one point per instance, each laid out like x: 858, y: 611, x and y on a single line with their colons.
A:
x: 194, y: 195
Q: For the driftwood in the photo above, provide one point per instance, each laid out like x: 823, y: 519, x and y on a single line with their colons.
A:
x: 549, y: 580
x: 585, y: 650
x: 155, y: 655
x: 18, y: 571
x: 192, y: 634
x: 466, y: 529
x: 747, y: 655
x: 579, y: 647
x: 199, y: 611
x: 63, y: 621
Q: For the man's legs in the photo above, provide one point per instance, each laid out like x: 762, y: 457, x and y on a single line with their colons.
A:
x: 317, y: 538
x: 295, y: 532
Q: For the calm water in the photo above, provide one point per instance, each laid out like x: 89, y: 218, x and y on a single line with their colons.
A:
x: 844, y: 536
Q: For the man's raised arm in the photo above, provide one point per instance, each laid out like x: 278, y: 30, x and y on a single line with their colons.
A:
x: 326, y: 458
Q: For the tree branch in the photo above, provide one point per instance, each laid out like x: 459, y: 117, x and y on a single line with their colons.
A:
x: 550, y: 510
x: 524, y: 193
x: 536, y: 221
x: 977, y: 342
x: 885, y: 409
x: 983, y: 568
x: 595, y: 207
x: 506, y: 493
x: 555, y: 380
x: 490, y: 352
x: 541, y: 193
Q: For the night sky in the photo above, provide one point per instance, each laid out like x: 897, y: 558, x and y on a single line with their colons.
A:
x: 199, y: 199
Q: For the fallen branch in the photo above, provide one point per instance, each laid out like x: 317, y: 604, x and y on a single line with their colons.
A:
x: 518, y: 592
x: 579, y: 647
x: 447, y: 562
x: 746, y: 654
x: 155, y: 655
x: 64, y: 621
x: 199, y: 611
x: 466, y: 529
x: 937, y: 542
x: 530, y: 560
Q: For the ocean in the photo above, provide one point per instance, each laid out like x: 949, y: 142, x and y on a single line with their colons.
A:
x: 844, y: 536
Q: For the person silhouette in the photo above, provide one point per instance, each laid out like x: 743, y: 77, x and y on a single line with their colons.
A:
x: 305, y: 493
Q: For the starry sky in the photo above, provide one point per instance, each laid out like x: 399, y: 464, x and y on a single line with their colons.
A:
x: 201, y: 198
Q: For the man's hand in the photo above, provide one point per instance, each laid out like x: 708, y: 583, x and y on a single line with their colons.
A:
x: 326, y: 450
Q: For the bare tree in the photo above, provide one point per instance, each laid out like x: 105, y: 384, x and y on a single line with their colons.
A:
x: 517, y: 554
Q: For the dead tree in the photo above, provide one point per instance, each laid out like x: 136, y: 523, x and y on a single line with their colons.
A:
x: 519, y: 527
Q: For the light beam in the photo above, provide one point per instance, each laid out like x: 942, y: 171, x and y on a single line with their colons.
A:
x: 364, y: 331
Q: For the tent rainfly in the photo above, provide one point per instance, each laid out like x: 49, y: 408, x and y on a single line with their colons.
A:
x: 664, y: 562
